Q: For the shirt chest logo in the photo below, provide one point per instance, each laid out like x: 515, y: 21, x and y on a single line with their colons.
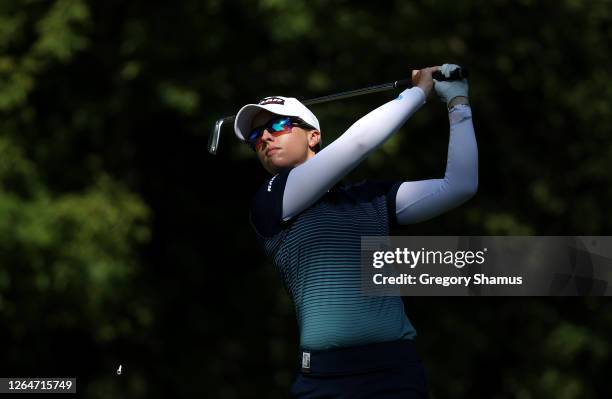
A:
x: 270, y: 183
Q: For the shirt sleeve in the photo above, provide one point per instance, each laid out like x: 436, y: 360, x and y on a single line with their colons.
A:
x: 267, y: 206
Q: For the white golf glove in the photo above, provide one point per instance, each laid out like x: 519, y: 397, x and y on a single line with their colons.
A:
x: 447, y: 90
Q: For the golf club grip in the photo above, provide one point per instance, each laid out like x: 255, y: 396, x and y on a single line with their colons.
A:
x: 458, y: 74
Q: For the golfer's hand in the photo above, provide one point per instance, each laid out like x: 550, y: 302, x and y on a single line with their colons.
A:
x: 452, y: 92
x: 423, y: 79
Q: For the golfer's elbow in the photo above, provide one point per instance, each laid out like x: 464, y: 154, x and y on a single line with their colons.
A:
x: 462, y: 179
x: 360, y: 147
x: 360, y: 139
x: 465, y: 190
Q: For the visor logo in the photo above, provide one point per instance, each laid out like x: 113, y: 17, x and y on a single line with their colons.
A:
x: 272, y: 100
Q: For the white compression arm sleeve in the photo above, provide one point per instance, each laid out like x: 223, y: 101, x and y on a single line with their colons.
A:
x: 421, y: 200
x: 307, y: 182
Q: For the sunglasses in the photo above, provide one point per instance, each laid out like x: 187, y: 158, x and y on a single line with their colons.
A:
x: 277, y: 126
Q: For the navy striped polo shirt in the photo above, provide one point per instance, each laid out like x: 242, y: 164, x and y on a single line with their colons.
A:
x: 317, y: 254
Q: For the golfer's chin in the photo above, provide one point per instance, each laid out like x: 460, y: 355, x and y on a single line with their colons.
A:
x: 276, y: 163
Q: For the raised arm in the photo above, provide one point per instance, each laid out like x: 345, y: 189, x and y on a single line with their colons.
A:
x: 307, y: 182
x: 421, y: 200
x: 417, y: 201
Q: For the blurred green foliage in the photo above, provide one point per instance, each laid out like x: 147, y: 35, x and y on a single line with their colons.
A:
x: 123, y: 242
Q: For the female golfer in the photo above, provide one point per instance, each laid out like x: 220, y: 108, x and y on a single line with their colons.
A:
x: 310, y: 224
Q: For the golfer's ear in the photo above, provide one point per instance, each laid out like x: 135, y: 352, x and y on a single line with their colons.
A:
x: 314, y: 137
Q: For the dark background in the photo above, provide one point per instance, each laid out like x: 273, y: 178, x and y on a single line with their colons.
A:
x: 122, y: 241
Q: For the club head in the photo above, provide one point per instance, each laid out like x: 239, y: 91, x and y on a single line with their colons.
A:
x: 213, y: 139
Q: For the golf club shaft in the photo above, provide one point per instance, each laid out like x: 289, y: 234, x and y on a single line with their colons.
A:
x: 213, y: 141
x: 457, y: 74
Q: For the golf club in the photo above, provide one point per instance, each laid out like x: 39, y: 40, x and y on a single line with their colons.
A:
x: 457, y: 74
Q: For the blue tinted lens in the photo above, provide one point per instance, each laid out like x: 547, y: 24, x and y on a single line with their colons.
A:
x: 279, y: 124
x: 255, y: 133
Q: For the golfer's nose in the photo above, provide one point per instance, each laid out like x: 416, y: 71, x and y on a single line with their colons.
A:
x: 266, y: 136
